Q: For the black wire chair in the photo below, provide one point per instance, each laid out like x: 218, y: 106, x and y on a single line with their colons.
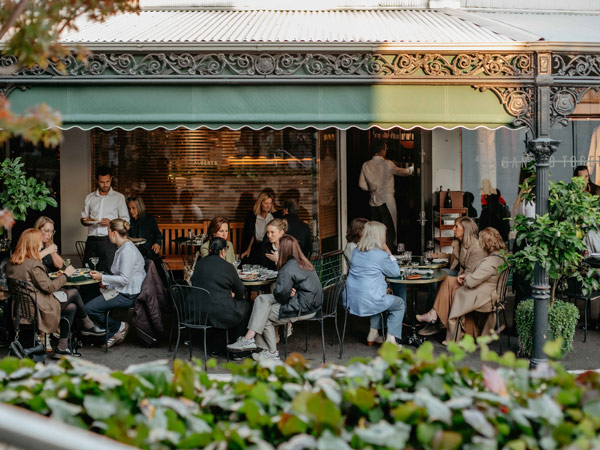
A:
x: 24, y: 305
x: 191, y: 306
x: 80, y: 247
x: 382, y: 314
x: 574, y: 292
x: 332, y: 291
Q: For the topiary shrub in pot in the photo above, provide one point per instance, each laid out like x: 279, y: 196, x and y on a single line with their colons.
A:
x: 555, y: 241
x: 562, y: 321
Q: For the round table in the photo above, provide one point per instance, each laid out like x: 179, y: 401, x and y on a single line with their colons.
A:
x: 438, y: 275
x: 84, y: 282
x: 422, y: 264
x: 256, y: 283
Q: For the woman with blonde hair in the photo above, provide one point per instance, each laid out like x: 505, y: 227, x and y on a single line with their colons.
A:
x: 255, y: 227
x: 122, y: 287
x: 466, y: 254
x: 366, y: 288
x: 49, y: 251
x: 52, y: 301
x: 475, y: 289
x: 269, y: 256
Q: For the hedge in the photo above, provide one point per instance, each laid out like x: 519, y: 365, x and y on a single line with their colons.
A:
x: 398, y: 400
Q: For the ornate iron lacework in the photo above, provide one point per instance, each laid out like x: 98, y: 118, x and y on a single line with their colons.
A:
x: 564, y: 100
x: 285, y: 65
x: 575, y: 65
x: 517, y: 101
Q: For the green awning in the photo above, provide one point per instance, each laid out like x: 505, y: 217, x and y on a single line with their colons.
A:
x: 258, y: 106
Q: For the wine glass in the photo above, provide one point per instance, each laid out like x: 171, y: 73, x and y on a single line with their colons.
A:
x: 94, y: 260
x: 67, y: 262
x: 237, y: 261
x: 401, y: 248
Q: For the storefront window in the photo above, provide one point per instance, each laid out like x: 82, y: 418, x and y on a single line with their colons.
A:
x: 189, y: 175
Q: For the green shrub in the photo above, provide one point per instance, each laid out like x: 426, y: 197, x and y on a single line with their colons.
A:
x: 562, y: 322
x: 397, y: 400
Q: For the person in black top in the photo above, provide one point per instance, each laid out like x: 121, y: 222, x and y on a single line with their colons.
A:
x: 253, y: 234
x: 49, y: 253
x: 143, y: 225
x: 296, y: 227
x: 495, y: 215
x: 269, y: 255
x: 227, y: 309
x: 583, y: 171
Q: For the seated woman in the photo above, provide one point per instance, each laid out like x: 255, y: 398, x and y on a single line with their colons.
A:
x: 298, y: 295
x: 269, y: 256
x: 49, y: 251
x: 228, y: 309
x: 255, y: 227
x: 52, y: 302
x: 365, y: 292
x: 353, y: 235
x: 123, y: 285
x: 218, y: 227
x: 466, y: 254
x: 143, y: 225
x: 474, y: 292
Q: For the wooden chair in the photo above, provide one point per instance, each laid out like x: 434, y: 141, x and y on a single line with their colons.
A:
x: 80, y: 247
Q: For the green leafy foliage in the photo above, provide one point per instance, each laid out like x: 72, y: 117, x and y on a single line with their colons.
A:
x: 555, y: 240
x: 20, y: 193
x: 562, y: 322
x: 408, y: 400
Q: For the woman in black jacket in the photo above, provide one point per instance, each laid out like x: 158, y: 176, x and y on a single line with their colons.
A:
x: 298, y: 295
x: 227, y: 308
x: 143, y: 225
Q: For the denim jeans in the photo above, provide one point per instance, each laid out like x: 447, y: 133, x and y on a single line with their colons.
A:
x: 98, y: 307
x: 394, y: 318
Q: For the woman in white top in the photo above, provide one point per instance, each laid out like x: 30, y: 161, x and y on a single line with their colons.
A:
x: 255, y: 228
x: 123, y: 285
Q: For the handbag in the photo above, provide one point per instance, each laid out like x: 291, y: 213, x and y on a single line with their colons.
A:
x: 17, y: 350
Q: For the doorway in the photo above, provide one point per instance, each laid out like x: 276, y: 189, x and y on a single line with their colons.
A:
x: 413, y: 193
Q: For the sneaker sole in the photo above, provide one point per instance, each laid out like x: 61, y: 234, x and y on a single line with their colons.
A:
x: 239, y: 350
x: 91, y: 333
x: 424, y: 332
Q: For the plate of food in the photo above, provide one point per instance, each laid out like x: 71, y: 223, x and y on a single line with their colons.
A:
x: 439, y: 260
x: 248, y: 276
x: 58, y: 273
x: 415, y: 276
x: 90, y: 221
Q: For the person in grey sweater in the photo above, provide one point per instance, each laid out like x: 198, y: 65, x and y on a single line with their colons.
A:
x: 298, y: 295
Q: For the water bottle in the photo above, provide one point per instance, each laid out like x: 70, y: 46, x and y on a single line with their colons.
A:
x: 448, y: 200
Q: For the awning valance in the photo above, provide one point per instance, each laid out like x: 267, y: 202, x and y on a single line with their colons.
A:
x: 258, y: 106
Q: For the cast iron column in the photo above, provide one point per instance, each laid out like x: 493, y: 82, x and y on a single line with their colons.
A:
x: 541, y: 149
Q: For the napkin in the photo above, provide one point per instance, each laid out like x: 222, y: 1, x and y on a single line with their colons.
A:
x: 424, y: 272
x: 109, y: 293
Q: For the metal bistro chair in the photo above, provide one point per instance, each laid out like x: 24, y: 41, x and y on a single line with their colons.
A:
x: 80, y: 247
x: 169, y: 282
x: 346, y: 312
x: 190, y: 304
x: 499, y: 305
x: 24, y: 303
x: 574, y: 292
x: 332, y: 290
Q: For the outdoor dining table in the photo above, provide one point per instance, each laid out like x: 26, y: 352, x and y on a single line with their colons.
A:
x: 79, y: 280
x: 260, y: 284
x: 189, y: 247
x: 438, y: 275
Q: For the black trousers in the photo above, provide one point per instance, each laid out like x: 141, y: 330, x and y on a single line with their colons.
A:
x: 101, y: 247
x: 382, y: 214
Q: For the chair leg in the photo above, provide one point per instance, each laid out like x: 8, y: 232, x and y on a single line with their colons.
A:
x: 285, y: 334
x: 498, y: 329
x: 585, y: 319
x: 305, y: 337
x: 171, y: 334
x: 226, y: 343
x: 506, y: 326
x: 106, y: 335
x: 205, y: 352
x: 343, y: 334
x: 190, y: 342
x: 177, y: 343
x: 383, y: 326
x: 322, y: 337
x: 337, y: 331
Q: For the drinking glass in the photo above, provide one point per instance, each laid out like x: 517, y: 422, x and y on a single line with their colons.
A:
x: 430, y: 246
x: 414, y: 267
x: 94, y: 260
x: 407, y: 257
x: 237, y: 261
x: 246, y: 268
x: 67, y: 262
x: 401, y: 248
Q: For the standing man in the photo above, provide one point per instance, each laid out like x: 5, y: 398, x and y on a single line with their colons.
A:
x: 102, y: 206
x: 297, y: 227
x: 377, y: 177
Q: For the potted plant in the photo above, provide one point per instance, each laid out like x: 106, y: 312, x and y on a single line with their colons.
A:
x: 20, y: 193
x: 555, y: 241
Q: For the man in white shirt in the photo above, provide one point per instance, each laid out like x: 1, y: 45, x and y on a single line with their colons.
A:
x: 377, y: 177
x: 100, y: 207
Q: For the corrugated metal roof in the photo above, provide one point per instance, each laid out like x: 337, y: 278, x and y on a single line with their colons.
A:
x: 264, y: 26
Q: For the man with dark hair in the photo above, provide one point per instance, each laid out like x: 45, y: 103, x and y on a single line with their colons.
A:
x: 296, y: 227
x: 100, y: 207
x: 583, y: 171
x: 377, y: 177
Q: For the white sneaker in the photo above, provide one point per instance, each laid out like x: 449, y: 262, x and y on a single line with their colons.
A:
x: 393, y: 340
x: 265, y: 354
x: 242, y: 344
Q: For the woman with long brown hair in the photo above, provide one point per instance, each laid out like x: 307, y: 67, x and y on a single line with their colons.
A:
x: 52, y: 301
x: 218, y: 228
x: 297, y: 296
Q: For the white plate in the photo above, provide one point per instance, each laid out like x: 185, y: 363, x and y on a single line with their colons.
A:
x: 439, y: 260
x: 92, y: 222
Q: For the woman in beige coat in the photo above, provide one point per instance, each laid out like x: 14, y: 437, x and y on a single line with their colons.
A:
x: 52, y: 302
x: 476, y: 292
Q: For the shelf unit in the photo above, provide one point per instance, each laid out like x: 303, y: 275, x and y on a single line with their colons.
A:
x: 440, y: 212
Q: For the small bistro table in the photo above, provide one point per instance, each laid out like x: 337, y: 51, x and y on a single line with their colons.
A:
x: 438, y: 275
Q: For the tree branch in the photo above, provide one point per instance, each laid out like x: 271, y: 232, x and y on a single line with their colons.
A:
x: 21, y: 6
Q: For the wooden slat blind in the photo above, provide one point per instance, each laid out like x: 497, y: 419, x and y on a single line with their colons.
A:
x: 185, y: 176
